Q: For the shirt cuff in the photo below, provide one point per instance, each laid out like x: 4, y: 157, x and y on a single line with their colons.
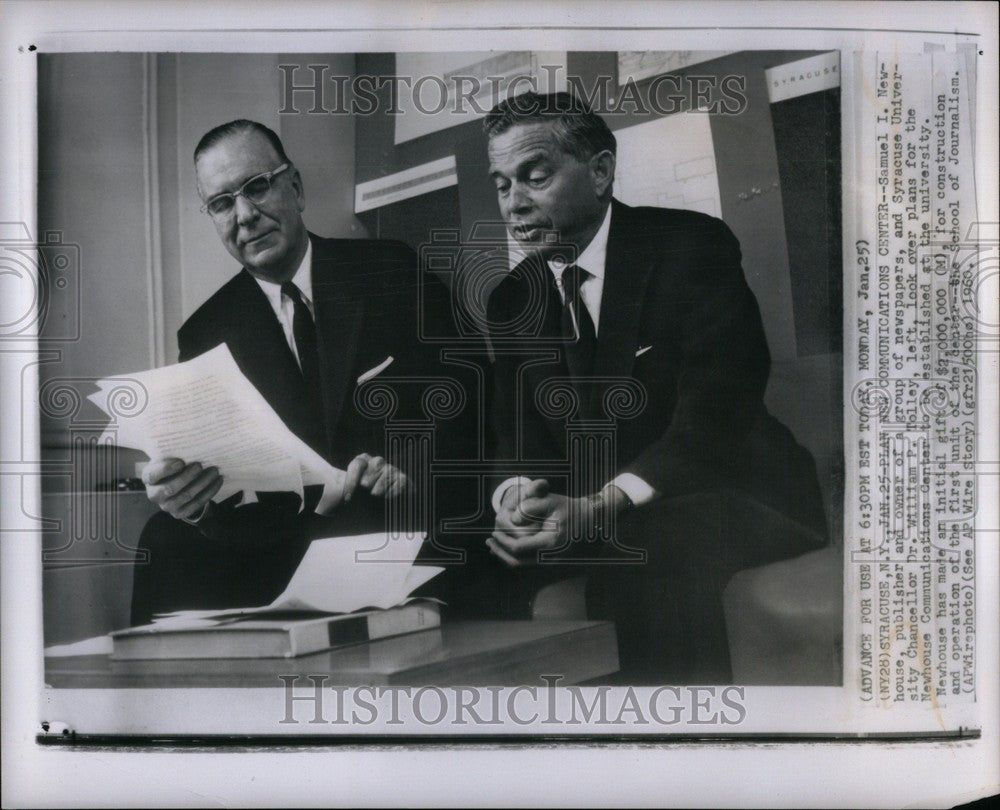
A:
x: 637, y: 490
x: 498, y: 493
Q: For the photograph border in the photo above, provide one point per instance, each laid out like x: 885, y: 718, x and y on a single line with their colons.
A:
x: 43, y: 30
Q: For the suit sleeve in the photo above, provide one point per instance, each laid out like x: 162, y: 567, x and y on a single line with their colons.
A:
x: 505, y: 404
x: 724, y: 365
x: 185, y: 350
x: 190, y: 343
x: 502, y: 403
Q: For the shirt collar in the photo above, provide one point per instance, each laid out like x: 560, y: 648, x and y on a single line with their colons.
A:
x: 595, y: 254
x: 302, y: 279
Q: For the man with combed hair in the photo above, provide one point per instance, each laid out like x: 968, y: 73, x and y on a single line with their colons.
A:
x: 651, y: 303
x: 307, y: 319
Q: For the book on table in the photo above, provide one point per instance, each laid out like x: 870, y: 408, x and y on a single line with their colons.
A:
x: 271, y: 635
x: 345, y: 590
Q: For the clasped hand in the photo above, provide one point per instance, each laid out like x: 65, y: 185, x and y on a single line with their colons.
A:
x: 184, y: 490
x: 532, y: 519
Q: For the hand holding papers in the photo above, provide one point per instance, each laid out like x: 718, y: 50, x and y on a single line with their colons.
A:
x: 205, y: 409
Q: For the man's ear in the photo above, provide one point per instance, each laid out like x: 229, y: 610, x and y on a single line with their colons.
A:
x: 300, y: 189
x: 602, y: 171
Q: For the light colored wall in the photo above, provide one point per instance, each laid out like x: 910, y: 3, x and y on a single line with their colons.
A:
x: 92, y: 189
x: 322, y: 146
x: 212, y: 89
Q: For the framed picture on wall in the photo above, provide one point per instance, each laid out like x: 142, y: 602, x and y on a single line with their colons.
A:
x: 637, y: 65
x: 442, y: 90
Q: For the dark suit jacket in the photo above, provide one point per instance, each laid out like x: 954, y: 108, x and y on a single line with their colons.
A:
x: 365, y: 298
x: 674, y: 288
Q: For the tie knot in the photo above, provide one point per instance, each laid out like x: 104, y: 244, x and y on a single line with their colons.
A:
x: 288, y: 288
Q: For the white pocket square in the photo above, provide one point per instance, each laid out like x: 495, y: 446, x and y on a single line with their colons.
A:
x: 372, y: 372
x: 642, y: 350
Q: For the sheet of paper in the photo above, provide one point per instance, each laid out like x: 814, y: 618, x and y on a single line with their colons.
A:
x: 342, y: 575
x: 97, y: 645
x: 206, y: 410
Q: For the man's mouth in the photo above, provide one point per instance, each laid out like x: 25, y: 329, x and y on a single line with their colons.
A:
x: 253, y: 240
x: 528, y: 232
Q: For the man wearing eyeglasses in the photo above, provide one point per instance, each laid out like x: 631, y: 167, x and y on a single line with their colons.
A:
x: 306, y: 319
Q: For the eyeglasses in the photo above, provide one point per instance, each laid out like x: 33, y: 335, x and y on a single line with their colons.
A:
x: 254, y: 191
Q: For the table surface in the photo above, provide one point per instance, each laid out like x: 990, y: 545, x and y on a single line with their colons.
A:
x: 473, y: 653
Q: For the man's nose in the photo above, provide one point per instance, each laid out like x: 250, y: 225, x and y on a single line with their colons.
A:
x: 246, y: 212
x: 518, y: 201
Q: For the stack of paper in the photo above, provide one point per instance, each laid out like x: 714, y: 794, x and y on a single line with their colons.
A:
x: 340, y: 575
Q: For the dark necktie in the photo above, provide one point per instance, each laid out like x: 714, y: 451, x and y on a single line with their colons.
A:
x: 304, y: 331
x: 577, y: 325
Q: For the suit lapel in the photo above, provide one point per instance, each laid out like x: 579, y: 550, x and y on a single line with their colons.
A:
x: 262, y: 353
x: 533, y: 279
x: 626, y: 276
x: 262, y: 350
x: 338, y: 323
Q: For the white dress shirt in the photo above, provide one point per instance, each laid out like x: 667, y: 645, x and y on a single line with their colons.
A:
x: 283, y: 306
x: 593, y: 259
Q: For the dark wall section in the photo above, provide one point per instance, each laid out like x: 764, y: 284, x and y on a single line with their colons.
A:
x: 414, y: 221
x: 807, y: 136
